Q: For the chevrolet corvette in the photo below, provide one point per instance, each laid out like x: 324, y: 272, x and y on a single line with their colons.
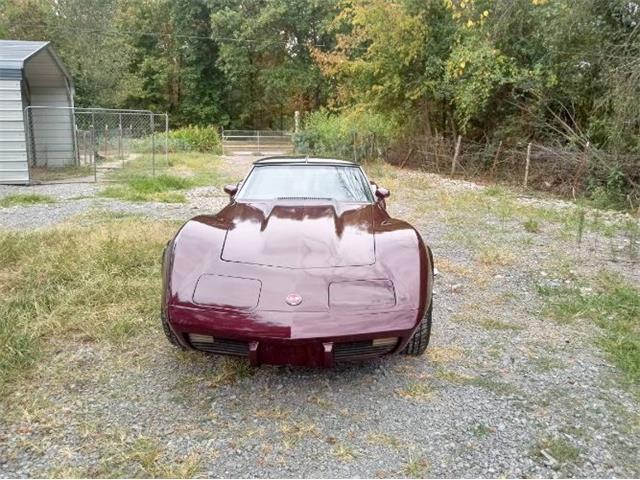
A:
x: 304, y: 266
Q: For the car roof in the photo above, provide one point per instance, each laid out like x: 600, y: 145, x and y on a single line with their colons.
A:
x: 300, y: 160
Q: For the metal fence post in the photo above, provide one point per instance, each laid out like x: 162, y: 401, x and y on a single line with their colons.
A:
x: 120, y: 139
x: 258, y: 132
x: 153, y: 146
x: 93, y: 147
x: 106, y: 140
x: 166, y: 138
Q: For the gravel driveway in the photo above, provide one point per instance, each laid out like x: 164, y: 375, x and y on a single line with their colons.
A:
x: 502, y: 391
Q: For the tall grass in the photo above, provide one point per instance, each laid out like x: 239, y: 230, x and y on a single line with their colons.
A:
x: 97, y: 282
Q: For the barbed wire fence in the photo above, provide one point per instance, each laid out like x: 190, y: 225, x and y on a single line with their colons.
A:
x: 69, y: 144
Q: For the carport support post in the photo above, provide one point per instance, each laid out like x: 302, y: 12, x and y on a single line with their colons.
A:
x: 153, y: 146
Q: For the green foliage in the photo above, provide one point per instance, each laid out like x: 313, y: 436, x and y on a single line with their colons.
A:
x: 24, y: 199
x: 361, y: 135
x: 195, y: 139
x: 610, y: 303
x: 611, y: 192
x: 140, y: 188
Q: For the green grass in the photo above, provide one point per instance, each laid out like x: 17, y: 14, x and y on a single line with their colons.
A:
x: 98, y: 282
x: 139, y: 188
x: 531, y: 225
x: 614, y: 305
x: 137, y: 183
x: 559, y: 449
x: 24, y: 199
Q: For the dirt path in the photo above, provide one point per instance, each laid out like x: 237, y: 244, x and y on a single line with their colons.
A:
x: 503, y: 390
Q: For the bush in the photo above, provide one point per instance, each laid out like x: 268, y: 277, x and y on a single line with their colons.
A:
x: 361, y: 135
x: 195, y: 139
x: 186, y: 139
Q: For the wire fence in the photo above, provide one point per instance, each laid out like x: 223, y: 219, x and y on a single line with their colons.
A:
x: 568, y: 170
x: 68, y: 144
x: 564, y: 170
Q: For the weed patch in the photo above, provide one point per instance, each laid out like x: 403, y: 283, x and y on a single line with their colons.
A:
x: 24, y: 199
x: 613, y: 305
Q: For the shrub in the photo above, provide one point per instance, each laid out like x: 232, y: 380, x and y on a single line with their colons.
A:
x: 186, y: 139
x: 361, y: 135
x: 196, y: 139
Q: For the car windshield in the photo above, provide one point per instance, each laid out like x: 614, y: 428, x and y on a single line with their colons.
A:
x: 334, y: 182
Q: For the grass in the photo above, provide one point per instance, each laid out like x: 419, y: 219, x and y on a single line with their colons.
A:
x: 58, y: 174
x: 611, y: 303
x: 24, y: 199
x: 416, y: 467
x: 494, y: 324
x: 417, y: 391
x: 558, y: 449
x: 142, y: 457
x: 343, y: 452
x: 163, y: 188
x: 97, y: 282
x: 135, y: 182
x: 531, y: 225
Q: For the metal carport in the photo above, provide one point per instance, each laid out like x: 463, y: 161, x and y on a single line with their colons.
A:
x: 31, y: 74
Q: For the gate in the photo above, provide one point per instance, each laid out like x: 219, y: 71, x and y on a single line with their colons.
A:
x: 257, y: 142
x: 69, y: 144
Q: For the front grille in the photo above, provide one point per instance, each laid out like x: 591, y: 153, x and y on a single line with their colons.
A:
x: 222, y: 346
x: 352, y: 350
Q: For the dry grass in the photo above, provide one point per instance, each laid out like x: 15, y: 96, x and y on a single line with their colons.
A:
x: 97, y: 282
x: 445, y: 354
x: 417, y: 391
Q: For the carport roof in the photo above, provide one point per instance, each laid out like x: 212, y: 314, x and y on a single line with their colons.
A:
x: 15, y: 53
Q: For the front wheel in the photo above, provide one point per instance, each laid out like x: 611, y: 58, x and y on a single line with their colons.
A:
x: 420, y: 339
x: 169, y: 333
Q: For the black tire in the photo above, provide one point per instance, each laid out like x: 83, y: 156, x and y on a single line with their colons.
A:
x: 169, y: 333
x: 420, y: 339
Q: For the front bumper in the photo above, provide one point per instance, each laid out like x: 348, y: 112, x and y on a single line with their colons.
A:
x: 316, y: 339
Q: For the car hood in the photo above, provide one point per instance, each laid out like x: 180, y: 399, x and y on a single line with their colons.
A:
x: 311, y: 234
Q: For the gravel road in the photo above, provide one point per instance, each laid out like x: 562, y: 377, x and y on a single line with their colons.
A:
x: 502, y: 391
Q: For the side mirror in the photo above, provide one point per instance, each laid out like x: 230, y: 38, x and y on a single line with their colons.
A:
x: 382, y: 193
x: 231, y: 190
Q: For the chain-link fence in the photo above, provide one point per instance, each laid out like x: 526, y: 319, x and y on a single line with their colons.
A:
x: 257, y: 142
x: 92, y: 144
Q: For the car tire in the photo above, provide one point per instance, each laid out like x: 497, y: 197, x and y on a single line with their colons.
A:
x: 169, y: 333
x: 420, y: 338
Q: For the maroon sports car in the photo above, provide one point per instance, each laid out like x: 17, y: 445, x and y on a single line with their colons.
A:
x: 304, y: 266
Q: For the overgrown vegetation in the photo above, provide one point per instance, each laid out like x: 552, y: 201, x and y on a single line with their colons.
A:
x: 611, y: 303
x: 136, y: 182
x: 195, y: 139
x: 24, y: 199
x: 95, y: 282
